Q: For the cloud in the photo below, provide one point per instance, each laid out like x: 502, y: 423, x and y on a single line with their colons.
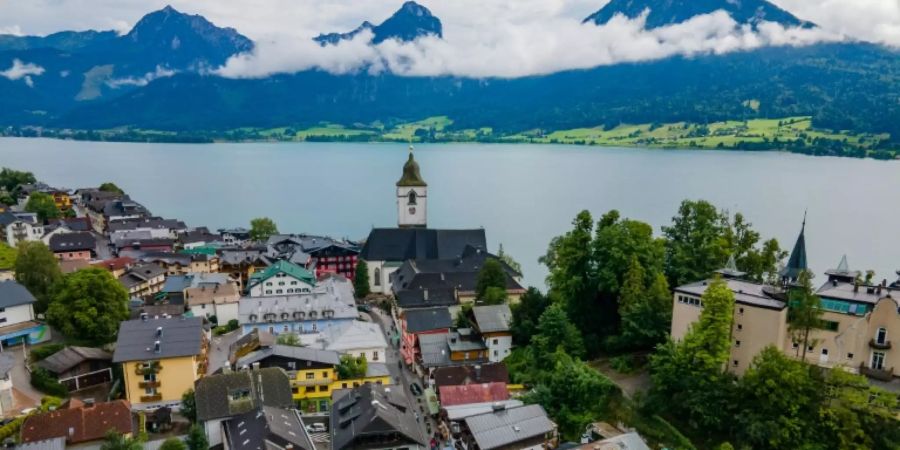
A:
x: 160, y: 72
x: 520, y: 47
x: 14, y: 30
x: 25, y: 71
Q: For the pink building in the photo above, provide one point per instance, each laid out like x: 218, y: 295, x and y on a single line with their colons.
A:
x: 79, y: 245
x: 415, y: 322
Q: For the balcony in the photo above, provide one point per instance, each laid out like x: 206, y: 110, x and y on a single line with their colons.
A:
x: 149, y: 384
x: 151, y: 398
x: 314, y: 382
x: 147, y: 369
x: 878, y: 374
x: 885, y: 345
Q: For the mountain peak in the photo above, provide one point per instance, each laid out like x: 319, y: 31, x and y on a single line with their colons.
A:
x: 408, y: 23
x: 670, y: 12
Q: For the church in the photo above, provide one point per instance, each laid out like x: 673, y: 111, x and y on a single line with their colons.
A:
x: 386, y: 249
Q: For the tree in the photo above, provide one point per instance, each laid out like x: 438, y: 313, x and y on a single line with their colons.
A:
x: 556, y: 331
x: 289, y: 339
x: 804, y: 313
x: 88, y: 305
x: 189, y: 405
x: 262, y: 228
x: 196, y: 438
x: 38, y: 270
x: 352, y: 367
x: 646, y: 312
x: 779, y: 400
x: 7, y: 257
x: 506, y: 258
x: 491, y: 275
x: 43, y: 205
x: 462, y: 319
x: 856, y: 415
x: 173, y: 443
x: 494, y: 296
x: 525, y: 315
x: 111, y: 187
x: 10, y: 179
x: 361, y: 279
x: 116, y: 441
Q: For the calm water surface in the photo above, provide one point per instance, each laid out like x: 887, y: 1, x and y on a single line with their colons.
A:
x: 522, y: 194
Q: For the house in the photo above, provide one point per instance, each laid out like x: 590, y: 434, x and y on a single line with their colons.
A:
x: 468, y: 374
x: 280, y: 278
x: 116, y: 266
x: 625, y: 441
x: 493, y: 324
x: 418, y: 322
x: 459, y: 274
x: 158, y: 226
x: 240, y: 263
x: 143, y: 280
x: 78, y: 245
x: 373, y: 417
x: 182, y: 263
x: 270, y: 428
x: 438, y: 294
x: 65, y: 225
x: 161, y: 358
x: 7, y: 401
x: 79, y: 422
x: 234, y: 236
x: 331, y: 303
x: 78, y: 368
x: 466, y: 345
x: 320, y: 254
x: 518, y: 427
x: 17, y: 322
x: 138, y: 247
x: 20, y: 226
x: 434, y: 353
x: 464, y: 394
x: 219, y: 300
x: 355, y: 338
x: 221, y: 397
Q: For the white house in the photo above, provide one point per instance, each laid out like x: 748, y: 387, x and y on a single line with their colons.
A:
x: 353, y: 338
x: 17, y: 316
x: 281, y: 278
x: 20, y: 226
x: 493, y: 322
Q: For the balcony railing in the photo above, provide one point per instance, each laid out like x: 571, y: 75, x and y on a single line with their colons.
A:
x: 885, y: 345
x: 145, y: 369
x: 151, y: 398
x: 886, y: 374
x: 149, y: 384
x: 314, y: 382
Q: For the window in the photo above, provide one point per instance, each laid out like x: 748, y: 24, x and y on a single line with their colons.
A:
x: 824, y: 352
x: 292, y: 365
x: 740, y: 327
x: 411, y: 199
x: 810, y: 348
x: 377, y: 276
x: 741, y: 311
x: 496, y: 353
x: 150, y: 391
x: 829, y: 325
x: 877, y: 360
x: 269, y: 291
x: 344, y: 385
x: 881, y: 336
x: 269, y: 283
x: 849, y: 355
x: 310, y: 389
x: 735, y: 363
x: 278, y: 291
x: 375, y: 355
x: 294, y: 283
x: 324, y: 374
x: 496, y: 341
x: 285, y: 328
x: 281, y: 283
x: 737, y: 343
x: 795, y: 345
x: 323, y: 388
x: 310, y: 376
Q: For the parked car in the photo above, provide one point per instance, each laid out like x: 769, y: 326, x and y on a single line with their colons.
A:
x: 317, y: 427
x: 364, y: 308
x: 415, y: 388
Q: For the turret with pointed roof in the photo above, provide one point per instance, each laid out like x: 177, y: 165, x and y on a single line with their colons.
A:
x: 843, y: 272
x: 797, y: 262
x: 412, y: 196
x: 411, y: 175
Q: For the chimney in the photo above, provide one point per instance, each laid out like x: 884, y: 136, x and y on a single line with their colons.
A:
x: 143, y: 317
x: 425, y: 294
x: 88, y: 402
x: 157, y: 347
x: 477, y: 373
x: 159, y: 332
x: 856, y: 286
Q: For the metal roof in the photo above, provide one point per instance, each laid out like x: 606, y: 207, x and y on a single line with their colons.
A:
x: 508, y: 426
x: 181, y: 336
x: 14, y: 294
x: 401, y: 244
x: 492, y: 318
x: 429, y: 319
x: 434, y: 350
x: 69, y: 357
x: 270, y: 386
x: 291, y: 352
x: 746, y: 292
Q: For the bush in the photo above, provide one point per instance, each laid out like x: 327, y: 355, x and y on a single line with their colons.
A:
x: 11, y: 429
x: 233, y: 324
x: 173, y: 443
x: 43, y: 381
x: 44, y: 351
x: 623, y: 364
x: 213, y: 319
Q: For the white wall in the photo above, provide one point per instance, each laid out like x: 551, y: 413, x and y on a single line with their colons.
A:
x: 386, y: 272
x: 17, y: 314
x: 499, y: 351
x: 214, y: 432
x: 272, y: 284
x: 31, y: 233
x: 405, y: 217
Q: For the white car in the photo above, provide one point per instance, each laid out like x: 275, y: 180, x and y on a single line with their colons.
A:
x: 317, y: 427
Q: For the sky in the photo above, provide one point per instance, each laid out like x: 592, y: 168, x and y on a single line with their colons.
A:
x: 506, y: 38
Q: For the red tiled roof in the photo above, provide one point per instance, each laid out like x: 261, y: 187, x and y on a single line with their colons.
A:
x: 115, y: 263
x: 78, y: 423
x: 473, y: 393
x: 482, y: 373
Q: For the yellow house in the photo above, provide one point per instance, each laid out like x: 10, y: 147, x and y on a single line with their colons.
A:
x: 161, y: 359
x: 313, y: 373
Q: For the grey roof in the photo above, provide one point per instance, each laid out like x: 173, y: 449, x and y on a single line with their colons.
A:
x: 797, y: 262
x: 140, y: 273
x: 401, y: 244
x: 627, y: 441
x: 8, y: 217
x: 841, y: 290
x: 176, y: 283
x: 374, y: 369
x: 75, y: 241
x: 426, y: 297
x: 746, y: 292
x: 291, y: 352
x: 13, y: 294
x: 70, y: 357
x: 460, y: 342
x: 152, y: 222
x: 434, y: 350
x: 372, y: 411
x: 457, y: 412
x: 57, y: 443
x: 352, y: 335
x: 268, y: 428
x: 419, y: 320
x: 270, y: 386
x: 506, y: 427
x: 333, y: 296
x: 492, y: 318
x: 181, y: 336
x: 7, y: 363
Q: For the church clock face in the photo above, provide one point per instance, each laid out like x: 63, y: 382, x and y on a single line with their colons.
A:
x: 412, y: 209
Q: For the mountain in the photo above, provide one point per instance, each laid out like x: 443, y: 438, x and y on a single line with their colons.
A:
x: 63, y: 40
x: 410, y: 22
x: 669, y: 12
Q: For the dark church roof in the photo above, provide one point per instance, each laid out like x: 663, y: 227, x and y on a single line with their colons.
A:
x: 411, y: 175
x: 797, y: 263
x: 401, y: 244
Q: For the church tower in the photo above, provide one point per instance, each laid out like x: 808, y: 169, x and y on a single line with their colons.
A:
x: 412, y: 196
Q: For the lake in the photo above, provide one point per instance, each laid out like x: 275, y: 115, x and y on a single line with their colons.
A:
x: 523, y: 195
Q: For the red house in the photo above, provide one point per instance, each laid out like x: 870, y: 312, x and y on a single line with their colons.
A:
x: 415, y: 322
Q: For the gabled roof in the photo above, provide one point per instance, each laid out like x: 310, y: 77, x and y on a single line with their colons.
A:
x: 372, y: 411
x: 473, y: 393
x: 286, y: 267
x: 459, y: 375
x: 73, y: 242
x: 434, y: 350
x: 492, y: 318
x: 270, y: 386
x: 353, y: 335
x: 401, y: 244
x: 268, y: 428
x: 429, y: 319
x: 508, y: 426
x: 327, y: 357
x: 70, y: 357
x: 181, y: 336
x: 78, y: 422
x: 426, y: 298
x: 14, y: 294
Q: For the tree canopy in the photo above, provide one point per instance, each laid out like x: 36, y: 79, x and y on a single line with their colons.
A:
x: 189, y: 405
x: 111, y: 187
x: 361, y: 280
x: 11, y: 179
x: 352, y: 367
x: 38, y: 270
x: 43, y: 205
x: 804, y: 313
x: 491, y: 276
x: 261, y: 228
x: 526, y: 314
x: 7, y: 257
x: 645, y: 311
x: 88, y: 305
x: 508, y: 259
x: 116, y: 441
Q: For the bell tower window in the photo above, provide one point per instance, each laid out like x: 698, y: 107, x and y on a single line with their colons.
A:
x: 411, y: 198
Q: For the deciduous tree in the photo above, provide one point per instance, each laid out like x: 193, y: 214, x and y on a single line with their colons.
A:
x: 10, y: 179
x: 88, y: 305
x: 526, y: 314
x: 196, y: 438
x: 491, y: 275
x: 262, y: 228
x: 361, y: 279
x: 805, y: 312
x: 555, y: 331
x: 173, y: 443
x: 646, y: 311
x: 43, y: 205
x: 111, y: 187
x: 189, y: 405
x: 506, y: 258
x: 38, y: 270
x: 116, y: 441
x: 352, y: 367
